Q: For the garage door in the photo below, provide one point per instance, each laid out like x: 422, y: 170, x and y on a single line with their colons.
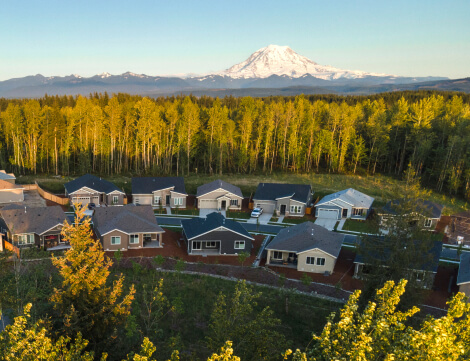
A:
x: 82, y: 200
x: 328, y: 213
x: 267, y: 207
x: 207, y: 203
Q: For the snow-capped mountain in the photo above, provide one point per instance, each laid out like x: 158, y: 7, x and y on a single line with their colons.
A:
x: 282, y: 60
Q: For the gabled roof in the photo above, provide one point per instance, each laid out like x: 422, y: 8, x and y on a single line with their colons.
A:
x: 382, y: 253
x: 273, y: 191
x: 350, y: 196
x: 127, y: 219
x: 464, y: 269
x: 197, y: 226
x: 463, y: 215
x: 427, y: 208
x: 4, y: 175
x: 217, y: 184
x: 21, y: 220
x: 4, y: 185
x: 92, y: 182
x: 148, y: 185
x: 306, y: 236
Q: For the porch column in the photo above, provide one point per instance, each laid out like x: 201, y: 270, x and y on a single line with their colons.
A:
x: 268, y: 256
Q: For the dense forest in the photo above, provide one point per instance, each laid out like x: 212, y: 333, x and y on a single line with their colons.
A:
x: 179, y: 135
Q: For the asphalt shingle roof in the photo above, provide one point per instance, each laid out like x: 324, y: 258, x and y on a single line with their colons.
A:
x: 21, y: 220
x: 306, y: 236
x: 273, y: 191
x: 128, y: 219
x: 351, y: 196
x: 217, y: 184
x: 148, y: 185
x: 92, y: 182
x: 464, y: 268
x: 4, y: 175
x: 430, y: 209
x: 197, y: 226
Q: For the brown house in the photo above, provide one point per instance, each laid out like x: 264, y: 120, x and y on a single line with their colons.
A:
x: 459, y: 228
x: 91, y: 189
x: 159, y: 191
x: 127, y: 227
x: 28, y: 227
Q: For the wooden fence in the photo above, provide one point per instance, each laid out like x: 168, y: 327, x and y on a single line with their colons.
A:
x: 46, y: 195
x: 12, y: 248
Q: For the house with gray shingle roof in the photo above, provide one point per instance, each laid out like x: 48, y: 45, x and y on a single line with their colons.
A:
x: 159, y: 191
x: 219, y: 195
x: 9, y: 177
x: 463, y: 277
x: 306, y: 247
x: 91, y: 189
x: 39, y: 227
x: 282, y: 198
x: 215, y: 235
x: 348, y: 203
x: 127, y: 227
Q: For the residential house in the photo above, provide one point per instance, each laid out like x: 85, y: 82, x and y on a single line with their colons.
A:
x: 91, y: 189
x: 215, y: 235
x: 10, y: 192
x: 159, y: 191
x: 430, y: 212
x: 8, y: 177
x: 463, y: 277
x: 219, y: 195
x: 39, y: 227
x: 306, y: 247
x: 284, y: 199
x: 348, y: 203
x: 127, y: 227
x: 458, y: 230
x: 423, y: 269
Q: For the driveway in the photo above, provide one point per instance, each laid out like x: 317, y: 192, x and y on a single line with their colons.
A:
x: 263, y: 219
x: 327, y: 223
x: 203, y: 212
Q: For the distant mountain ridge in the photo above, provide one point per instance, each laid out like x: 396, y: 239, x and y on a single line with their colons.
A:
x: 272, y: 67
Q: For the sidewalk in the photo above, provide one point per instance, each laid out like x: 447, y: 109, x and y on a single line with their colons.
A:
x: 341, y: 224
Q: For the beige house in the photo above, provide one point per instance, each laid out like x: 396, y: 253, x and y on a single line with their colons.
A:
x: 127, y: 227
x: 10, y: 192
x: 306, y: 247
x: 219, y: 195
x: 91, y: 189
x: 463, y: 277
x: 159, y: 191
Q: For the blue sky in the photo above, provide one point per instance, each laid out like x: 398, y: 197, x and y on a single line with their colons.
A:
x: 409, y: 38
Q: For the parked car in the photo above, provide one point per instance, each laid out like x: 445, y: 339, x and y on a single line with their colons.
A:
x: 91, y: 206
x: 257, y: 212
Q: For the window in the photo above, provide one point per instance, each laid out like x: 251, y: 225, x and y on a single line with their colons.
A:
x: 428, y: 222
x: 358, y: 211
x: 134, y: 238
x: 239, y: 244
x: 420, y: 276
x: 178, y: 201
x: 310, y: 260
x: 211, y: 244
x: 320, y: 261
x: 234, y: 202
x: 196, y: 245
x: 277, y: 255
x: 296, y: 209
x: 116, y: 240
x: 26, y: 239
x: 157, y: 200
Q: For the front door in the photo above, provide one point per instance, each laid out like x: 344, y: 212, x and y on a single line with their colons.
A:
x: 167, y: 200
x: 345, y: 212
x: 224, y: 204
x: 283, y: 209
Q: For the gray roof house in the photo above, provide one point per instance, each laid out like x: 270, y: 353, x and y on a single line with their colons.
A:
x: 159, y: 191
x: 306, y: 247
x: 348, y: 203
x: 9, y: 177
x: 39, y: 227
x: 463, y: 277
x: 219, y: 195
x: 127, y: 227
x: 91, y: 189
x: 215, y: 235
x: 284, y: 199
x: 430, y: 211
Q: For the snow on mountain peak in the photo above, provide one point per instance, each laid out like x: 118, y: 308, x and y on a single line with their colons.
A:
x: 104, y: 75
x: 282, y: 60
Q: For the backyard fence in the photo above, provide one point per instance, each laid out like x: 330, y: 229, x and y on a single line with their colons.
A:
x: 46, y: 195
x: 12, y: 248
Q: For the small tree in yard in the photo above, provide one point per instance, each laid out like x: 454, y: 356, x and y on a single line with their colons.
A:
x: 85, y: 301
x: 159, y: 260
x: 306, y: 280
x: 242, y: 257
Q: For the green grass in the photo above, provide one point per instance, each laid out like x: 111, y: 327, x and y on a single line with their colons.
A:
x: 188, y: 212
x: 241, y: 215
x: 297, y: 220
x: 274, y: 219
x: 359, y: 226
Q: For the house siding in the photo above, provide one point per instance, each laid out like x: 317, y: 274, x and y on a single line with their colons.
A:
x: 209, y: 200
x: 465, y: 288
x: 109, y: 199
x: 227, y: 241
x: 148, y: 199
x: 302, y: 266
x: 106, y: 241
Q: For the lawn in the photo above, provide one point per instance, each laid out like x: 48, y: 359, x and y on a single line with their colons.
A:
x: 188, y: 212
x: 297, y: 220
x: 360, y: 226
x: 241, y: 215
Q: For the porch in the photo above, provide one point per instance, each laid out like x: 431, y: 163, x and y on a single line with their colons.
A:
x: 282, y: 259
x: 205, y: 248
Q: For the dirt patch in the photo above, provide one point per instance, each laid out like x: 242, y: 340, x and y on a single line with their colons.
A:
x: 32, y: 199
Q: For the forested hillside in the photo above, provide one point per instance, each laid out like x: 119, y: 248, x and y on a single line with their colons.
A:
x: 109, y: 135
